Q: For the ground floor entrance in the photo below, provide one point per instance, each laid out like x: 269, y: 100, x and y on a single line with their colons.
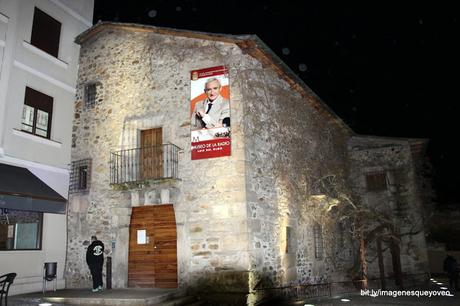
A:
x: 152, y: 259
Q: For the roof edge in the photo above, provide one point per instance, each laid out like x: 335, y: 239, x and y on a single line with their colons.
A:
x: 291, y: 77
x: 250, y: 44
x: 98, y: 27
x: 411, y: 140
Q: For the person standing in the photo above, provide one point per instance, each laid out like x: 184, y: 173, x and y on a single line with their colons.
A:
x: 95, y: 261
x: 451, y: 267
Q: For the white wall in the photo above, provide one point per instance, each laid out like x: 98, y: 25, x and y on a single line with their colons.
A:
x: 21, y: 65
x: 29, y: 264
x: 25, y: 65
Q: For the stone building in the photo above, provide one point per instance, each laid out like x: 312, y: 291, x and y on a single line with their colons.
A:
x: 38, y: 74
x: 383, y: 175
x: 256, y: 218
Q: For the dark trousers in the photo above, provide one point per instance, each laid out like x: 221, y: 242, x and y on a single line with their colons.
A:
x: 96, y: 273
x: 453, y: 280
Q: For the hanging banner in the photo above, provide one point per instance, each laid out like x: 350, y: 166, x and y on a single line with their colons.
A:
x: 210, y: 113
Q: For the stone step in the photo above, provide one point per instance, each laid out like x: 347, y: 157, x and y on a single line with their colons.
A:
x: 182, y: 301
x: 197, y: 303
x: 113, y: 297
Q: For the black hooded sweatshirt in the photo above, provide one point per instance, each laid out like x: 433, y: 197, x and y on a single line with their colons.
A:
x: 95, y: 254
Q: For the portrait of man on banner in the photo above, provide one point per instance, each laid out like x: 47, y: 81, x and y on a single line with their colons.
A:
x: 210, y: 113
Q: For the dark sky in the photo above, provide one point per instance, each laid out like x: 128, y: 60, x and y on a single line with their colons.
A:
x: 386, y: 68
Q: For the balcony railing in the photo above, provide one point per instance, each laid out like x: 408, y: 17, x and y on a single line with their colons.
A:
x: 141, y: 164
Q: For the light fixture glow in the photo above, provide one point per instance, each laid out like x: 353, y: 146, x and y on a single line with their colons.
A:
x: 345, y: 300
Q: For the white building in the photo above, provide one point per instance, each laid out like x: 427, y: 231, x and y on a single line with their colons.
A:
x: 38, y: 73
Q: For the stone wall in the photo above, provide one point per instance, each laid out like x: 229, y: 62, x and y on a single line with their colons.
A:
x: 400, y: 202
x: 289, y: 146
x: 144, y: 83
x: 232, y: 213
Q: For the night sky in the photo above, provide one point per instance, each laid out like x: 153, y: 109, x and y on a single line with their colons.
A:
x: 386, y: 68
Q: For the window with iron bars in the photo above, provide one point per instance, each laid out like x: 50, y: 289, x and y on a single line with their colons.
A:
x: 289, y: 242
x: 318, y: 237
x: 90, y: 95
x: 376, y: 181
x: 80, y: 176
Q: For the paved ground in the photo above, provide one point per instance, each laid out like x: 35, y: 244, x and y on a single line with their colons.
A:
x: 388, y: 301
x: 436, y: 287
x: 158, y: 296
x: 116, y: 297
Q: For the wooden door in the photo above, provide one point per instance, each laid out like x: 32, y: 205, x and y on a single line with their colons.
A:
x: 151, y: 154
x: 3, y: 236
x: 153, y: 264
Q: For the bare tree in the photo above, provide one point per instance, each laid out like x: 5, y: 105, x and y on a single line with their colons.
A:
x: 367, y: 225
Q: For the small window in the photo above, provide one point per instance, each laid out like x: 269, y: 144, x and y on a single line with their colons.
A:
x: 318, y: 239
x: 90, y: 95
x: 37, y: 113
x: 289, y: 242
x: 20, y: 230
x: 46, y: 33
x: 80, y: 176
x: 376, y: 181
x: 340, y: 235
x: 83, y: 177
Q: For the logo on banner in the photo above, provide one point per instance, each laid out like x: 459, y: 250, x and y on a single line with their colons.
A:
x: 194, y: 75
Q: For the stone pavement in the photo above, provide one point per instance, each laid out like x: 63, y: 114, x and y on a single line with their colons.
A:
x: 436, y: 286
x: 357, y: 299
x: 113, y: 297
x: 134, y: 297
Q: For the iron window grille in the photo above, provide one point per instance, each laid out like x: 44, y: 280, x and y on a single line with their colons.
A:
x: 90, y: 95
x: 80, y: 176
x: 318, y: 237
x: 289, y: 241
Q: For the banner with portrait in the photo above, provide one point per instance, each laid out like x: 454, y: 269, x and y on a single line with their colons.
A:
x: 210, y: 113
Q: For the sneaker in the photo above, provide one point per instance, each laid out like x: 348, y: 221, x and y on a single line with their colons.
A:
x: 95, y: 290
x: 100, y: 288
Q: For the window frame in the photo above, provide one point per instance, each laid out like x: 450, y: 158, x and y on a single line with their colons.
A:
x: 46, y: 32
x: 39, y: 238
x: 39, y: 102
x: 77, y: 182
x: 376, y: 181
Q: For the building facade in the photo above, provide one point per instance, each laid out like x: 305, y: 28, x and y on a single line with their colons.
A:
x: 383, y: 172
x: 38, y: 73
x: 255, y: 218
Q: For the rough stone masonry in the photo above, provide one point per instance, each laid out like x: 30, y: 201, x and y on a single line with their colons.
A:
x: 246, y: 221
